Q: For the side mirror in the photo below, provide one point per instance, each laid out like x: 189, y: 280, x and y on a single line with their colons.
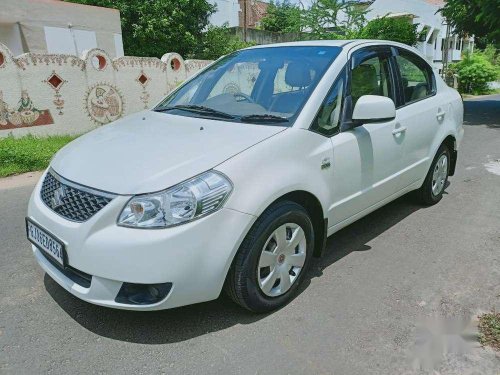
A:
x: 373, y: 108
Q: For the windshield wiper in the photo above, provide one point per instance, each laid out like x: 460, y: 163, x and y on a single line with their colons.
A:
x: 263, y: 118
x: 197, y: 109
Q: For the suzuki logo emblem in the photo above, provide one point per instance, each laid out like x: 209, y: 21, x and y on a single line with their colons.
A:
x: 57, y: 199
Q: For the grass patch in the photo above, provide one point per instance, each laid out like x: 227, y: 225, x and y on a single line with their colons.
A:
x: 489, y: 330
x: 28, y: 153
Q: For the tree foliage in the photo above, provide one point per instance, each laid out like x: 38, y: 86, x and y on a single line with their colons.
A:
x: 391, y: 28
x: 475, y: 71
x: 478, y: 17
x: 154, y: 27
x: 334, y: 19
x: 283, y: 17
x: 218, y: 41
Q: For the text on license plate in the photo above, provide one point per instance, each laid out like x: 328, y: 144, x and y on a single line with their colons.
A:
x: 45, y: 242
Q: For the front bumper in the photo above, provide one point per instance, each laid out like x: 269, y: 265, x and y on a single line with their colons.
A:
x: 194, y: 257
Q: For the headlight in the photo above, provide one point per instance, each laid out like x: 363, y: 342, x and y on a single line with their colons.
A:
x: 187, y: 201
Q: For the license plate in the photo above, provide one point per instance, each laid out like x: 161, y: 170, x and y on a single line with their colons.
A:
x: 45, y: 242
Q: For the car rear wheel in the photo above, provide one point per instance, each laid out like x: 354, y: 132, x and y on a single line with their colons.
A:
x: 435, y: 182
x: 273, y: 258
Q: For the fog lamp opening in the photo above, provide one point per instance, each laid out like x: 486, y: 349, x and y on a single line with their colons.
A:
x: 142, y: 294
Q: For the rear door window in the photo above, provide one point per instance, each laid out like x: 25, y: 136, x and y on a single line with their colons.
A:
x: 416, y: 77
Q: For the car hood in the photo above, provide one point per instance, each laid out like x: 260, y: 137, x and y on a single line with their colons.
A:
x: 151, y: 151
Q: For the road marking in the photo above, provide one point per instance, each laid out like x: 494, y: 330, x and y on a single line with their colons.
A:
x: 493, y: 167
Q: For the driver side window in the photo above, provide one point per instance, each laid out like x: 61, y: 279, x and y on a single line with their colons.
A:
x: 371, y: 77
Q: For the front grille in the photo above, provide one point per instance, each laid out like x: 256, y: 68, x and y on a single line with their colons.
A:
x: 71, y: 201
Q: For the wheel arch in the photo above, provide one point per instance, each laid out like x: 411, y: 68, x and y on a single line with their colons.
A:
x: 312, y: 205
x: 315, y: 210
x: 451, y: 142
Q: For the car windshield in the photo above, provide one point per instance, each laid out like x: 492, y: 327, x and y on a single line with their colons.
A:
x: 262, y: 85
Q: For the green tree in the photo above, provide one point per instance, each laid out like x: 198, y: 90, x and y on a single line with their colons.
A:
x: 398, y: 29
x: 218, y: 41
x: 335, y: 19
x: 154, y: 27
x: 282, y: 17
x: 480, y: 18
x: 474, y: 72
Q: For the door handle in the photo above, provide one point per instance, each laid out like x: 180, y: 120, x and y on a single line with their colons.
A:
x: 399, y: 130
x: 440, y: 115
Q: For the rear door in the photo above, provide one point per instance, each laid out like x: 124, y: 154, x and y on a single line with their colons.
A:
x: 420, y: 111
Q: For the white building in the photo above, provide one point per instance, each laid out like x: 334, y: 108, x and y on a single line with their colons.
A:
x: 59, y: 27
x: 431, y: 25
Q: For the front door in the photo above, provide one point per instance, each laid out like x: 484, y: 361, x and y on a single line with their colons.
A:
x: 367, y: 160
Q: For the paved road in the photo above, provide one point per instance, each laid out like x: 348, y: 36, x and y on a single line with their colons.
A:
x: 357, y: 313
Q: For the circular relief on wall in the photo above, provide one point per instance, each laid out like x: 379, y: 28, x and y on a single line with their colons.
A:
x: 175, y: 64
x: 99, y: 62
x: 2, y: 59
x: 104, y: 103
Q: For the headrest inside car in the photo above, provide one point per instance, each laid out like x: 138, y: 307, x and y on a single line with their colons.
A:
x: 298, y: 74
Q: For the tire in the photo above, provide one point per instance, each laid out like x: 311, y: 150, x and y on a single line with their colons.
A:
x: 430, y: 193
x: 246, y: 280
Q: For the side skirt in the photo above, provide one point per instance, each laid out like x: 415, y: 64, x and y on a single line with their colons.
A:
x: 359, y: 215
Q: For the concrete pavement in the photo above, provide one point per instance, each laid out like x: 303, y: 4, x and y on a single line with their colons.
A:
x: 357, y: 313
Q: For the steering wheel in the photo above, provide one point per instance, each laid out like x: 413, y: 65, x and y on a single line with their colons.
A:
x: 245, y: 97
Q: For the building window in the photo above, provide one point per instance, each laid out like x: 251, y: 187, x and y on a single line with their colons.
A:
x: 69, y: 41
x: 423, y: 34
x: 84, y: 40
x: 59, y: 40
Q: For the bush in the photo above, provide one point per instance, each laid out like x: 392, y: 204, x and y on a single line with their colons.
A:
x: 29, y: 153
x: 491, y: 54
x: 474, y: 72
x: 389, y: 28
x: 218, y: 41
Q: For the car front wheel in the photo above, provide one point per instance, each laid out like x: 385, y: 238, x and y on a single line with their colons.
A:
x: 273, y: 258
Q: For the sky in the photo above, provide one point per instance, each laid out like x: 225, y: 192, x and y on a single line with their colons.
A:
x: 306, y: 3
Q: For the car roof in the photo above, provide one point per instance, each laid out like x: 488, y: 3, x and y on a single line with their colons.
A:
x: 319, y: 43
x: 332, y: 43
x: 338, y: 43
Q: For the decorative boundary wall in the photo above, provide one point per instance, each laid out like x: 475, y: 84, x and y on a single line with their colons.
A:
x: 44, y: 94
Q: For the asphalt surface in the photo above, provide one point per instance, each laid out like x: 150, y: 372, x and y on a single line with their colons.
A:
x: 357, y: 313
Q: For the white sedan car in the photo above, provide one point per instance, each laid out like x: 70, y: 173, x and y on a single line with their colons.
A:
x: 234, y: 181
